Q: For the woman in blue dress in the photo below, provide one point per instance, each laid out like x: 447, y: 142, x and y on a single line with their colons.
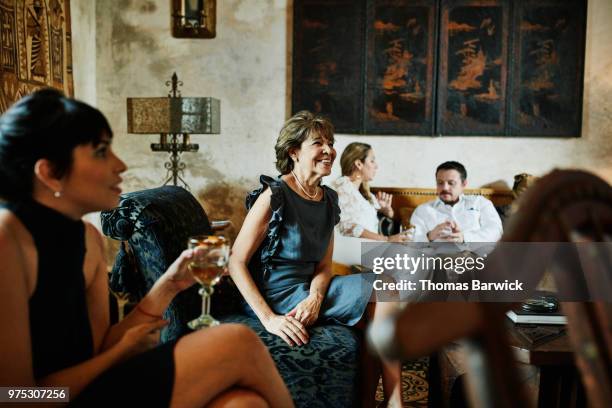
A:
x: 56, y: 165
x: 282, y: 258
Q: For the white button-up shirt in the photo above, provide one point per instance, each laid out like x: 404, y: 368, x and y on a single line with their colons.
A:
x: 475, y: 215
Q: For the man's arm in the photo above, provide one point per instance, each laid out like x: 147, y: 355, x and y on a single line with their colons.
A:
x: 490, y: 224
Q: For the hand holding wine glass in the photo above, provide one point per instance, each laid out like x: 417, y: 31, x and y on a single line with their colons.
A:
x: 207, y: 264
x: 407, y: 231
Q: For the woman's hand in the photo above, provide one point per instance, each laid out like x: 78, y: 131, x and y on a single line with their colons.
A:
x: 287, y: 328
x: 178, y: 276
x: 398, y: 238
x: 385, y: 200
x: 307, y: 311
x: 141, y: 338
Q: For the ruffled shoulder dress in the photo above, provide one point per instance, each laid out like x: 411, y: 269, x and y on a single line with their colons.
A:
x: 299, y: 233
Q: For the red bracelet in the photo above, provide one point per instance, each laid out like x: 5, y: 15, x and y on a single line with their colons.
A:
x: 144, y: 312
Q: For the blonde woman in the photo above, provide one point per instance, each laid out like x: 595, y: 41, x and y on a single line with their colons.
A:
x: 359, y: 207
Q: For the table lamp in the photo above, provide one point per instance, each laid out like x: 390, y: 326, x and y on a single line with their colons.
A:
x: 175, y: 118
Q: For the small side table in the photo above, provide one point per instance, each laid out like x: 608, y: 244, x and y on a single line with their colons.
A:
x: 547, y: 370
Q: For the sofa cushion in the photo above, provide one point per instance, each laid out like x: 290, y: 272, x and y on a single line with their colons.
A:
x: 155, y: 225
x: 322, y: 373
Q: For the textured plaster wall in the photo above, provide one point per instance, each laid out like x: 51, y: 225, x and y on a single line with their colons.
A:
x: 248, y: 68
x: 83, y: 21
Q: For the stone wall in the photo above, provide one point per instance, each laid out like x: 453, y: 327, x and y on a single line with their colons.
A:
x: 248, y: 68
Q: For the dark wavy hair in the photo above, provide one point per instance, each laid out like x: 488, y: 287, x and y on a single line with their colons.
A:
x: 44, y: 125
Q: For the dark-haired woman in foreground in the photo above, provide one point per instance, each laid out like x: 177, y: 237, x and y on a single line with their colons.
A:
x: 56, y: 165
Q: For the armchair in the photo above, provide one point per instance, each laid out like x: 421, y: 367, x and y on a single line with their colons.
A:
x: 153, y: 226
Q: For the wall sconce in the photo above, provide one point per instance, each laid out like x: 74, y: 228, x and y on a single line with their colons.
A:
x: 194, y: 18
x: 174, y: 118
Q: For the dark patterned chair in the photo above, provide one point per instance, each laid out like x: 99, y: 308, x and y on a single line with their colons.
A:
x: 153, y: 226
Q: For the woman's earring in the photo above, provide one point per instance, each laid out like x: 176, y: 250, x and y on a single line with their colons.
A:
x: 57, y: 194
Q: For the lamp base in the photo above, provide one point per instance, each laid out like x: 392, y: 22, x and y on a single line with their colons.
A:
x: 174, y: 166
x: 180, y: 148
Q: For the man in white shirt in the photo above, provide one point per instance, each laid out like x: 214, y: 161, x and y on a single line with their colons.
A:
x: 453, y: 216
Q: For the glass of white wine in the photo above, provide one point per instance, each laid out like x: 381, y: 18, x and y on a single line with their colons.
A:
x: 207, y: 265
x: 407, y: 231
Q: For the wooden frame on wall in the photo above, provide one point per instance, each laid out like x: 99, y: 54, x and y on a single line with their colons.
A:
x: 442, y: 67
x: 193, y: 19
x: 35, y: 49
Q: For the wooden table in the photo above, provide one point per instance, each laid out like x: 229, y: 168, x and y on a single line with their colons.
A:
x: 547, y: 371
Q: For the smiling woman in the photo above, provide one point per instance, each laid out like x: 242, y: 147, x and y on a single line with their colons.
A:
x: 56, y: 165
x: 281, y: 260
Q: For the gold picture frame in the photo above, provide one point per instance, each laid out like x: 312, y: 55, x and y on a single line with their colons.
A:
x: 193, y: 18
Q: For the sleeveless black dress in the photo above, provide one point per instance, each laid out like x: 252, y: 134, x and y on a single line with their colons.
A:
x: 60, y: 330
x: 299, y: 233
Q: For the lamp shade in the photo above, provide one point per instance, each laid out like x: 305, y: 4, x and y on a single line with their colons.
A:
x: 174, y: 115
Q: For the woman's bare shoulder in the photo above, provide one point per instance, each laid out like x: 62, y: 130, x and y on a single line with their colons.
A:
x: 93, y: 235
x: 264, y: 198
x: 12, y: 231
x: 17, y: 248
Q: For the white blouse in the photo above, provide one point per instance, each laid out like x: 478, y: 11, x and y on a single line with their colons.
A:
x: 357, y: 213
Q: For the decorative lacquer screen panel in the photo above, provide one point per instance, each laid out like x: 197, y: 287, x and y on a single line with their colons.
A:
x: 442, y: 67
x: 35, y: 48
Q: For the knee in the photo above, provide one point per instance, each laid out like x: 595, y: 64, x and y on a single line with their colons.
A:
x: 242, y: 339
x: 241, y: 333
x: 239, y: 397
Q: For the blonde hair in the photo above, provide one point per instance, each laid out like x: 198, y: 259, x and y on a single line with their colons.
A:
x: 353, y: 152
x: 297, y: 129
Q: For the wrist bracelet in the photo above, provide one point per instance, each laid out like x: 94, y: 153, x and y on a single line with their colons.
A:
x: 144, y: 312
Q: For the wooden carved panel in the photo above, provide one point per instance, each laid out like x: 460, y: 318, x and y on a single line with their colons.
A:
x: 548, y: 67
x: 473, y: 67
x: 36, y: 48
x: 327, y: 63
x: 400, y: 63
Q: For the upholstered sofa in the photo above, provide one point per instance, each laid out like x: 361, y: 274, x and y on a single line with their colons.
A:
x: 406, y: 199
x: 153, y: 226
x: 347, y: 250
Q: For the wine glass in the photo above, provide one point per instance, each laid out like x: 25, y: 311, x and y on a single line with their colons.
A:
x: 407, y: 231
x: 209, y: 260
x: 447, y: 230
